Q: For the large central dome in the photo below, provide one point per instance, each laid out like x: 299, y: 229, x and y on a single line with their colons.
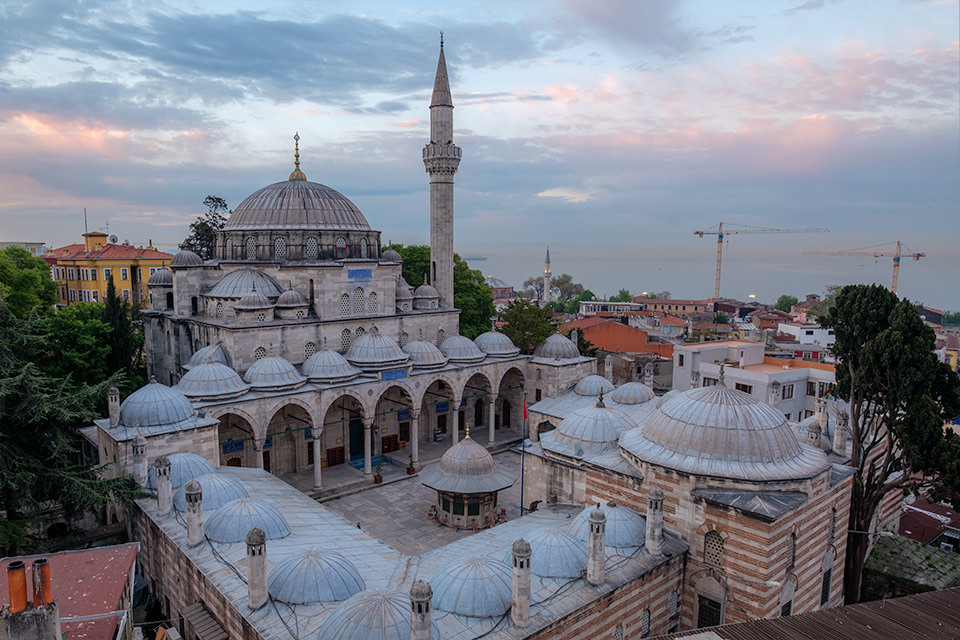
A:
x: 297, y: 204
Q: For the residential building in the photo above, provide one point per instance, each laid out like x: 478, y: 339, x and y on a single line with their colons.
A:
x: 616, y: 337
x: 36, y: 249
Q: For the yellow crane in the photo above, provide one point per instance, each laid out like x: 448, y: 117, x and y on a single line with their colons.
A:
x: 720, y: 233
x: 870, y: 252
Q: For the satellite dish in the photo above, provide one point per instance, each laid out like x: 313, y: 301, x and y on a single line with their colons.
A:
x: 113, y: 239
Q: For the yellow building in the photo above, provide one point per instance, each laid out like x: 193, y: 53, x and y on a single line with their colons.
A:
x: 82, y: 271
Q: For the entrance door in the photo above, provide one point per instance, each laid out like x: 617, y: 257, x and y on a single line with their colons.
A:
x: 266, y: 460
x: 356, y: 437
x: 709, y: 614
x: 505, y: 412
x: 478, y: 412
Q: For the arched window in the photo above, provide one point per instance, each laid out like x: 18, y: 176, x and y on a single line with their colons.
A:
x: 618, y: 632
x: 360, y: 331
x: 373, y: 304
x: 219, y: 309
x: 713, y: 549
x: 341, y: 244
x: 279, y: 248
x: 259, y: 353
x: 251, y: 248
x: 441, y: 336
x: 404, y: 339
x: 344, y: 305
x: 309, y: 349
x: 363, y: 248
x: 358, y: 301
x: 345, y: 340
x: 312, y: 249
x: 791, y: 551
x: 228, y: 249
x: 645, y: 624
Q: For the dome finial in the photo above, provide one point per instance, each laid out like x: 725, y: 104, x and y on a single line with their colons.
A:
x: 441, y: 41
x: 467, y: 426
x: 297, y: 174
x: 600, y: 404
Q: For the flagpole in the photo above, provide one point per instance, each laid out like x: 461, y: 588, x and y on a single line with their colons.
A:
x: 523, y: 449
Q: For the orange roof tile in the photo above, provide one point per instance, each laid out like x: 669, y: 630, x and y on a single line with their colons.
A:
x: 107, y: 252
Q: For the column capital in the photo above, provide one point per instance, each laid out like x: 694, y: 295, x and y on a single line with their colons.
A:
x: 415, y: 413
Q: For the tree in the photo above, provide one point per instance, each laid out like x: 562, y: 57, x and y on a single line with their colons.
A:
x: 77, y: 345
x: 899, y: 396
x: 951, y: 319
x: 202, y: 238
x: 125, y: 340
x: 25, y: 283
x: 527, y: 325
x: 416, y: 262
x: 584, y: 346
x: 785, y: 303
x: 574, y: 305
x: 533, y: 288
x: 474, y: 297
x: 721, y: 318
x: 623, y: 295
x: 565, y: 287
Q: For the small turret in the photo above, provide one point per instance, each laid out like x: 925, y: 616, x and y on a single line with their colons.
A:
x: 520, y: 606
x: 597, y: 550
x: 256, y: 568
x: 420, y: 622
x: 194, y: 495
x: 653, y: 540
x: 113, y: 405
x: 164, y: 485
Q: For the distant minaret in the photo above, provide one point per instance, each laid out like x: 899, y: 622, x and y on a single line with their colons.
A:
x: 546, y: 278
x: 441, y: 158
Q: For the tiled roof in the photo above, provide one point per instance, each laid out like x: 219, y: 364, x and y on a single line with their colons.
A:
x: 107, y: 252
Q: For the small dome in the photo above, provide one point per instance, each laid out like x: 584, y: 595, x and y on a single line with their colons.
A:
x: 403, y: 290
x: 424, y: 355
x: 633, y: 393
x: 466, y: 467
x: 329, y: 366
x: 373, y: 351
x: 210, y: 353
x: 557, y: 346
x: 211, y: 380
x: 291, y: 299
x: 241, y: 281
x: 625, y: 528
x: 253, y: 300
x: 461, y: 349
x: 589, y: 430
x: 232, y: 521
x: 184, y: 467
x: 314, y: 576
x: 297, y: 205
x: 479, y: 587
x: 218, y: 489
x: 375, y: 614
x: 273, y: 374
x: 161, y: 278
x: 186, y: 258
x: 391, y: 256
x: 555, y: 554
x: 426, y: 292
x: 593, y: 386
x: 155, y: 405
x: 496, y: 344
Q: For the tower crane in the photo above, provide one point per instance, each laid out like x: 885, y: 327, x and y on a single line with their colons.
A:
x: 869, y: 252
x: 720, y: 232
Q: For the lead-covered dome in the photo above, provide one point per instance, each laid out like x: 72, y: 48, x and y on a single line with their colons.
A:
x: 155, y: 405
x: 373, y: 351
x: 556, y: 554
x: 375, y: 614
x: 496, y: 345
x: 478, y: 587
x: 329, y: 366
x: 721, y: 432
x: 632, y: 393
x: 291, y: 298
x: 391, y: 255
x: 557, y: 346
x: 625, y: 527
x: 297, y: 205
x: 461, y: 349
x: 593, y: 386
x: 589, y: 430
x: 210, y: 353
x: 186, y: 258
x: 162, y: 277
x: 273, y: 374
x: 424, y: 355
x: 218, y: 489
x: 237, y: 283
x: 184, y: 467
x: 232, y: 521
x: 211, y: 381
x: 253, y: 300
x: 466, y: 467
x: 314, y: 576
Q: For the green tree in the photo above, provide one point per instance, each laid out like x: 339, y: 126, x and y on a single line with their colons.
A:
x: 533, y: 288
x: 565, y: 288
x: 202, y: 238
x: 25, y: 283
x: 77, y: 345
x: 623, y: 295
x: 951, y: 319
x: 899, y: 397
x: 125, y: 340
x: 785, y: 303
x: 474, y: 297
x: 574, y: 305
x: 584, y: 346
x: 416, y: 262
x: 720, y: 318
x: 527, y: 325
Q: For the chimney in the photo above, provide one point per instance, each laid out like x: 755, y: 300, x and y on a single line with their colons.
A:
x: 256, y: 568
x: 420, y: 623
x: 813, y: 434
x: 597, y: 550
x: 113, y: 405
x: 821, y: 415
x: 840, y: 434
x: 654, y: 538
x: 774, y: 394
x: 23, y: 622
x: 140, y: 460
x: 164, y: 485
x: 17, y: 582
x: 520, y: 607
x: 574, y: 339
x: 193, y: 492
x: 42, y: 591
x: 694, y: 379
x: 608, y: 367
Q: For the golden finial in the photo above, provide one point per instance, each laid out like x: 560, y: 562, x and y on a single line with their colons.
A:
x: 441, y: 41
x: 467, y: 425
x: 297, y: 174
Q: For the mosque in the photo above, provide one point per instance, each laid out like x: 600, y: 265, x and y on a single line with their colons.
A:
x: 299, y: 346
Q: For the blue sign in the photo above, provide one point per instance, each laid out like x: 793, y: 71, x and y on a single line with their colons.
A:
x: 403, y: 415
x: 443, y: 407
x: 308, y: 434
x: 359, y: 274
x: 232, y: 446
x: 268, y: 443
x: 398, y: 374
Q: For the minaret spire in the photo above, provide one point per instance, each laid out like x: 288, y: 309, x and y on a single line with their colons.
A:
x: 441, y: 158
x: 546, y: 277
x: 297, y: 174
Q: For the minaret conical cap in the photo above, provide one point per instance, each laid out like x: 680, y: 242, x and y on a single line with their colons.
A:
x: 441, y: 84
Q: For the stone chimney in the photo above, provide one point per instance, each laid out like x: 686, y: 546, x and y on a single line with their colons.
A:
x: 140, y: 460
x: 654, y: 537
x: 813, y: 434
x: 113, y: 405
x: 597, y: 552
x: 193, y: 492
x: 694, y: 379
x: 820, y: 415
x: 256, y: 568
x: 42, y: 589
x: 21, y: 621
x: 164, y: 485
x: 608, y: 367
x: 520, y: 606
x: 774, y: 394
x: 574, y: 340
x: 420, y: 623
x: 840, y: 434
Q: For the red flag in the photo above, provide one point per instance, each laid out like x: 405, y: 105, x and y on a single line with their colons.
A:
x: 524, y: 408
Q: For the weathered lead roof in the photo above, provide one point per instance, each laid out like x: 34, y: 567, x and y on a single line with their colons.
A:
x: 478, y: 587
x: 496, y: 344
x: 296, y: 204
x: 592, y: 386
x: 766, y: 505
x: 373, y: 351
x: 467, y: 467
x: 555, y: 554
x: 329, y: 366
x: 424, y: 355
x: 241, y: 281
x: 314, y: 575
x: 375, y: 614
x: 589, y: 430
x: 273, y: 373
x: 625, y: 527
x: 233, y: 521
x: 211, y: 380
x: 218, y: 489
x: 557, y: 346
x: 461, y: 349
x: 155, y: 405
x: 210, y: 353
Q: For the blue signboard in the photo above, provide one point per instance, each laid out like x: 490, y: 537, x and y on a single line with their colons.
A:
x: 443, y: 407
x: 232, y: 446
x: 403, y: 415
x: 308, y: 434
x: 268, y: 443
x: 398, y: 374
x: 359, y: 274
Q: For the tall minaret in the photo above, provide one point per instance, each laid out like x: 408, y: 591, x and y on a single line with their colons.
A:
x: 546, y: 278
x: 441, y: 158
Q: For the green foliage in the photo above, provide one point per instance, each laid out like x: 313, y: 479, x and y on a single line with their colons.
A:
x: 202, y: 238
x: 574, y: 305
x: 951, y: 319
x: 77, y: 345
x: 721, y: 318
x: 623, y: 295
x: 584, y: 346
x: 532, y: 288
x: 416, y: 262
x: 785, y: 303
x: 527, y: 325
x: 565, y: 288
x: 822, y: 308
x: 25, y: 283
x: 900, y: 395
x: 125, y: 339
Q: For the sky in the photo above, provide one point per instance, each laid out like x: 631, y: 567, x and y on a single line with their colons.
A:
x: 608, y: 130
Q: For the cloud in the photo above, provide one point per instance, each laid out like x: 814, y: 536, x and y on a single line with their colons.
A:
x: 566, y: 193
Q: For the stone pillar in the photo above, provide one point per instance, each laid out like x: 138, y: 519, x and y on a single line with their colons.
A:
x: 140, y: 460
x: 164, y: 485
x: 415, y: 434
x: 317, y: 482
x: 194, y: 495
x: 654, y: 536
x: 456, y: 425
x: 520, y: 605
x: 256, y: 568
x: 840, y: 434
x: 596, y: 553
x: 113, y: 405
x: 258, y: 452
x: 420, y: 623
x: 367, y: 446
x: 608, y: 367
x: 492, y: 421
x: 774, y: 394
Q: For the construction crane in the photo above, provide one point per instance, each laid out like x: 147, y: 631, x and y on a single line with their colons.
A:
x: 720, y: 232
x: 871, y: 253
